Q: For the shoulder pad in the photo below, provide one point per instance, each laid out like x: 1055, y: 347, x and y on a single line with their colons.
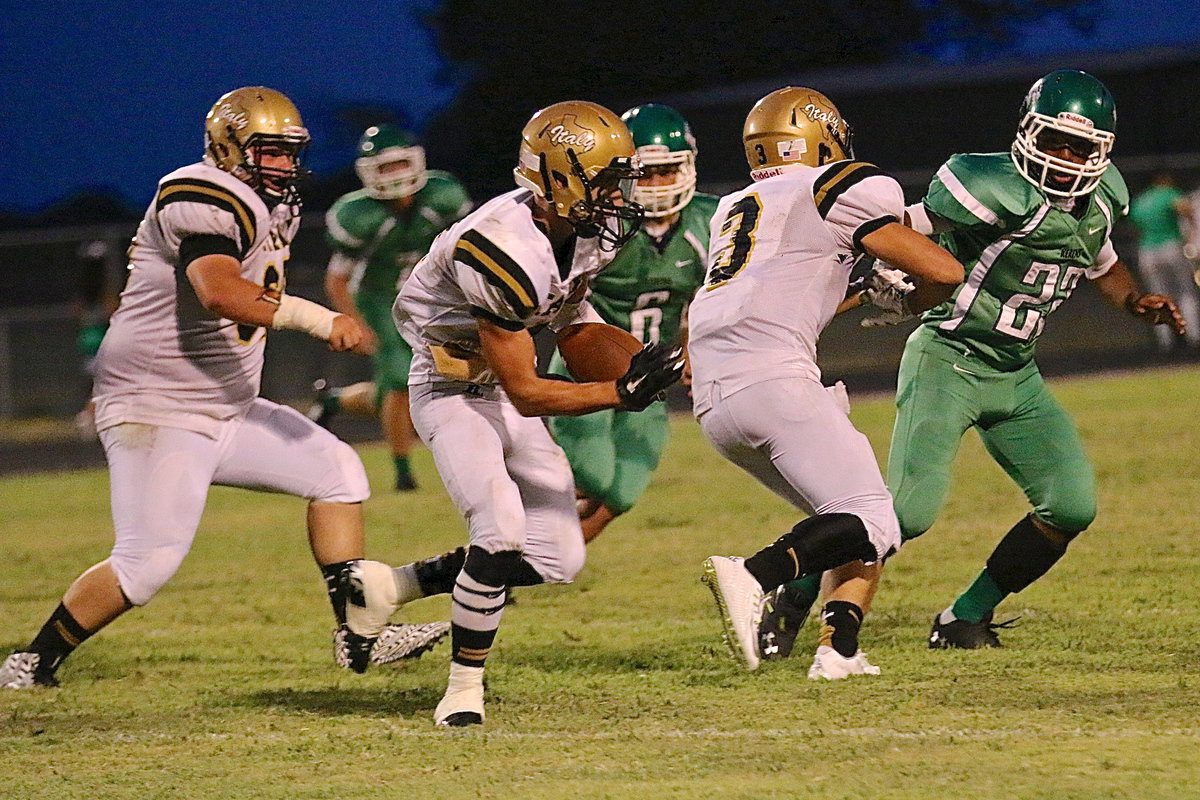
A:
x: 974, y: 188
x: 833, y: 182
x: 1113, y: 185
x: 507, y: 261
x: 208, y: 186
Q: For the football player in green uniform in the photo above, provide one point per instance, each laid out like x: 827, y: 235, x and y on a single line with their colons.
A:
x: 645, y: 290
x: 378, y: 233
x: 1028, y: 225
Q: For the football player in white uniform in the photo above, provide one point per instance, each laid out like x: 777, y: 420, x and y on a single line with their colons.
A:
x: 781, y: 256
x: 519, y: 262
x: 177, y: 384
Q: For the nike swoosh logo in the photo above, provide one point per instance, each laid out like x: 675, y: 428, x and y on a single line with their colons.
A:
x: 957, y: 368
x: 682, y: 264
x: 632, y: 386
x: 1095, y: 230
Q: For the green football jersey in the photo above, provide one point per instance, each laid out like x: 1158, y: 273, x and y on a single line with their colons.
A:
x: 1153, y: 213
x: 1023, y: 254
x: 645, y: 291
x: 386, y: 247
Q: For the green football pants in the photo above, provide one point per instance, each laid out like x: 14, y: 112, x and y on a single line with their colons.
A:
x: 393, y: 357
x: 942, y: 392
x: 613, y: 453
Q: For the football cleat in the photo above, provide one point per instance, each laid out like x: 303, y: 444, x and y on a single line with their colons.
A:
x: 833, y: 666
x: 462, y: 705
x: 396, y: 643
x: 965, y: 635
x: 351, y: 650
x: 370, y: 597
x: 321, y: 410
x: 20, y: 671
x: 739, y: 604
x: 405, y: 482
x: 784, y: 614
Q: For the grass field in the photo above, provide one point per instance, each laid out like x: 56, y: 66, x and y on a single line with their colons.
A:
x: 618, y: 686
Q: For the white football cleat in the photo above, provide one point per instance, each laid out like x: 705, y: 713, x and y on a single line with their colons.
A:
x: 373, y: 597
x: 462, y: 705
x: 833, y: 666
x: 739, y: 604
x: 396, y: 643
x: 19, y: 671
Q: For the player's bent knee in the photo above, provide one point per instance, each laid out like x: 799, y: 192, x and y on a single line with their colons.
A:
x: 1073, y: 518
x: 141, y: 574
x: 346, y: 481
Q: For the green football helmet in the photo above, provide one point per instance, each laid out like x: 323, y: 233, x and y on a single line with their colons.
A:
x: 663, y: 139
x: 390, y: 163
x: 1066, y: 109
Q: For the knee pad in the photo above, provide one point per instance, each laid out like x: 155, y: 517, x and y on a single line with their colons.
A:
x: 826, y: 541
x: 346, y: 481
x: 505, y: 568
x: 141, y: 574
x: 1025, y: 554
x: 1074, y: 516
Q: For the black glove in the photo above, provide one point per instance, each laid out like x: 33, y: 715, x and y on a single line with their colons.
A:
x: 651, y: 370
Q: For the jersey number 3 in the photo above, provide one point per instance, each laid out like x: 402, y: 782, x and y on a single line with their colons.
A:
x: 735, y: 242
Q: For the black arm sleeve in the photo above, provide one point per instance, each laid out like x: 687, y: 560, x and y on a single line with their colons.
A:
x: 206, y: 244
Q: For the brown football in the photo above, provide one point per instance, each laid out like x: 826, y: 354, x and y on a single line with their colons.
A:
x: 597, y: 352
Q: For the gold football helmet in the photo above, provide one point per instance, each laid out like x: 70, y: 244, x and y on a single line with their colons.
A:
x: 248, y: 123
x: 580, y: 158
x: 794, y: 125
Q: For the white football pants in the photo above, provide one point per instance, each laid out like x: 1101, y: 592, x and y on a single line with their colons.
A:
x: 505, y: 474
x: 795, y: 437
x: 160, y: 477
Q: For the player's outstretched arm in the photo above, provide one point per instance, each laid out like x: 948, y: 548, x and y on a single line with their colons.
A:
x: 937, y: 271
x: 513, y: 357
x: 1118, y: 288
x: 220, y: 288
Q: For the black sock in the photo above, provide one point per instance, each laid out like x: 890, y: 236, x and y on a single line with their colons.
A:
x: 840, y: 621
x: 436, y: 575
x: 57, y: 639
x: 336, y: 584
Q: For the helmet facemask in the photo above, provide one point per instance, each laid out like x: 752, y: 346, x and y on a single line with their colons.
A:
x: 604, y: 209
x: 665, y: 199
x: 393, y: 172
x: 1040, y: 132
x: 277, y: 183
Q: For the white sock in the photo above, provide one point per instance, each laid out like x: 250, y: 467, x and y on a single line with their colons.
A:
x: 947, y: 616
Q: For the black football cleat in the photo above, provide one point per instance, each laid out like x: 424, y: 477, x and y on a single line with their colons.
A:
x: 965, y: 635
x: 784, y: 614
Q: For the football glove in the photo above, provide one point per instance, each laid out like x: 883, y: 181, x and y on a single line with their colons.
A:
x: 651, y: 370
x: 887, y: 289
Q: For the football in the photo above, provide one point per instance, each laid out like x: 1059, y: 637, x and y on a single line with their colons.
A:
x: 597, y: 352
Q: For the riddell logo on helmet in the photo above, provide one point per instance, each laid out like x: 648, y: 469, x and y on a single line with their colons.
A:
x: 237, y: 119
x: 569, y: 133
x: 1077, y: 120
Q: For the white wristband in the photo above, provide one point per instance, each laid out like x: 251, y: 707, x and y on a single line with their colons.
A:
x: 298, y: 314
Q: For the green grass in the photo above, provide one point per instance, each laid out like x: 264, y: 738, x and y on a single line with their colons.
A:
x: 618, y: 686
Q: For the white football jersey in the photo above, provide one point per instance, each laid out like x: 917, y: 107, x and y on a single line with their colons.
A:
x: 495, y: 264
x: 166, y: 360
x: 780, y: 259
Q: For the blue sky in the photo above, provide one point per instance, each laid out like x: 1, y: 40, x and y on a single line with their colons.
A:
x: 114, y: 96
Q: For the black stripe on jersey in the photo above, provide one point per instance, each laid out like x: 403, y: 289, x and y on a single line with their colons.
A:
x: 482, y: 255
x: 868, y: 228
x: 837, y: 179
x: 193, y: 190
x: 507, y: 324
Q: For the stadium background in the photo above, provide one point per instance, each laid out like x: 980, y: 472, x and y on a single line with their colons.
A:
x: 918, y: 81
